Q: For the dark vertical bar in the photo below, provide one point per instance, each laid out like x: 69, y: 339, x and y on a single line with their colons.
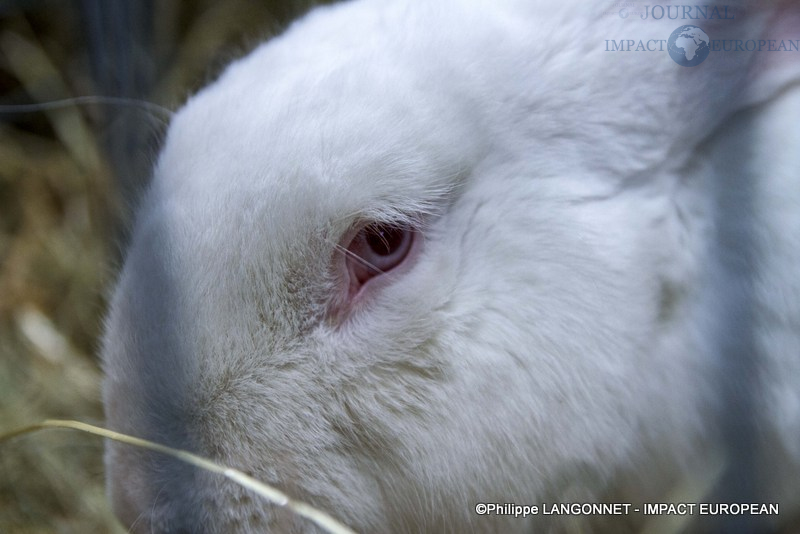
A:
x: 120, y: 37
x: 737, y: 262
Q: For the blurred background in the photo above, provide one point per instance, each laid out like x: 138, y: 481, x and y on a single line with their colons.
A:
x: 70, y: 177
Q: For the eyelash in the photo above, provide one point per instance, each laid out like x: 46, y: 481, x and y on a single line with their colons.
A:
x: 378, y: 248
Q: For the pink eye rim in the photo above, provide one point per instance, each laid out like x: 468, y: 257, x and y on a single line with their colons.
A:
x: 376, y: 249
x: 357, y: 278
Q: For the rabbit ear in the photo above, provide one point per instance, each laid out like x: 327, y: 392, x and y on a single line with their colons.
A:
x: 754, y: 56
x: 611, y: 82
x: 777, y: 65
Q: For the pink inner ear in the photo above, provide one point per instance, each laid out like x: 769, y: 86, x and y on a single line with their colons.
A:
x: 771, y: 71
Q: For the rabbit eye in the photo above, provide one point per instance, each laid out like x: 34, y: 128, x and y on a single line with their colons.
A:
x: 377, y: 249
x: 386, y: 241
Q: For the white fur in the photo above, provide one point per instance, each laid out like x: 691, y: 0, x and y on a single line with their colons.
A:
x: 561, y: 327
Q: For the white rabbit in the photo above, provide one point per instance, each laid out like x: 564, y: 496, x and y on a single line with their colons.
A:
x: 573, y: 248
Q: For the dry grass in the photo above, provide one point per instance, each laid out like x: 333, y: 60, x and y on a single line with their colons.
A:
x: 268, y: 493
x: 61, y: 216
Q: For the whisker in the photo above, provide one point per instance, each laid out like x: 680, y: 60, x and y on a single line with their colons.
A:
x: 144, y: 105
x: 354, y: 256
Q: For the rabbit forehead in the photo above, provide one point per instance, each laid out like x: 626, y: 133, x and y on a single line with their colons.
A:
x: 266, y: 194
x: 353, y: 130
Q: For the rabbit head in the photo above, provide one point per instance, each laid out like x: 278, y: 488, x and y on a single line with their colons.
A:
x: 408, y: 258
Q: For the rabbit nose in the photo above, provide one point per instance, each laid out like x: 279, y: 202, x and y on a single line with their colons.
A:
x: 151, y: 493
x: 166, y: 517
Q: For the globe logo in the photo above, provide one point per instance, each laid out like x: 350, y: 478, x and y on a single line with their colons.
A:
x: 688, y: 46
